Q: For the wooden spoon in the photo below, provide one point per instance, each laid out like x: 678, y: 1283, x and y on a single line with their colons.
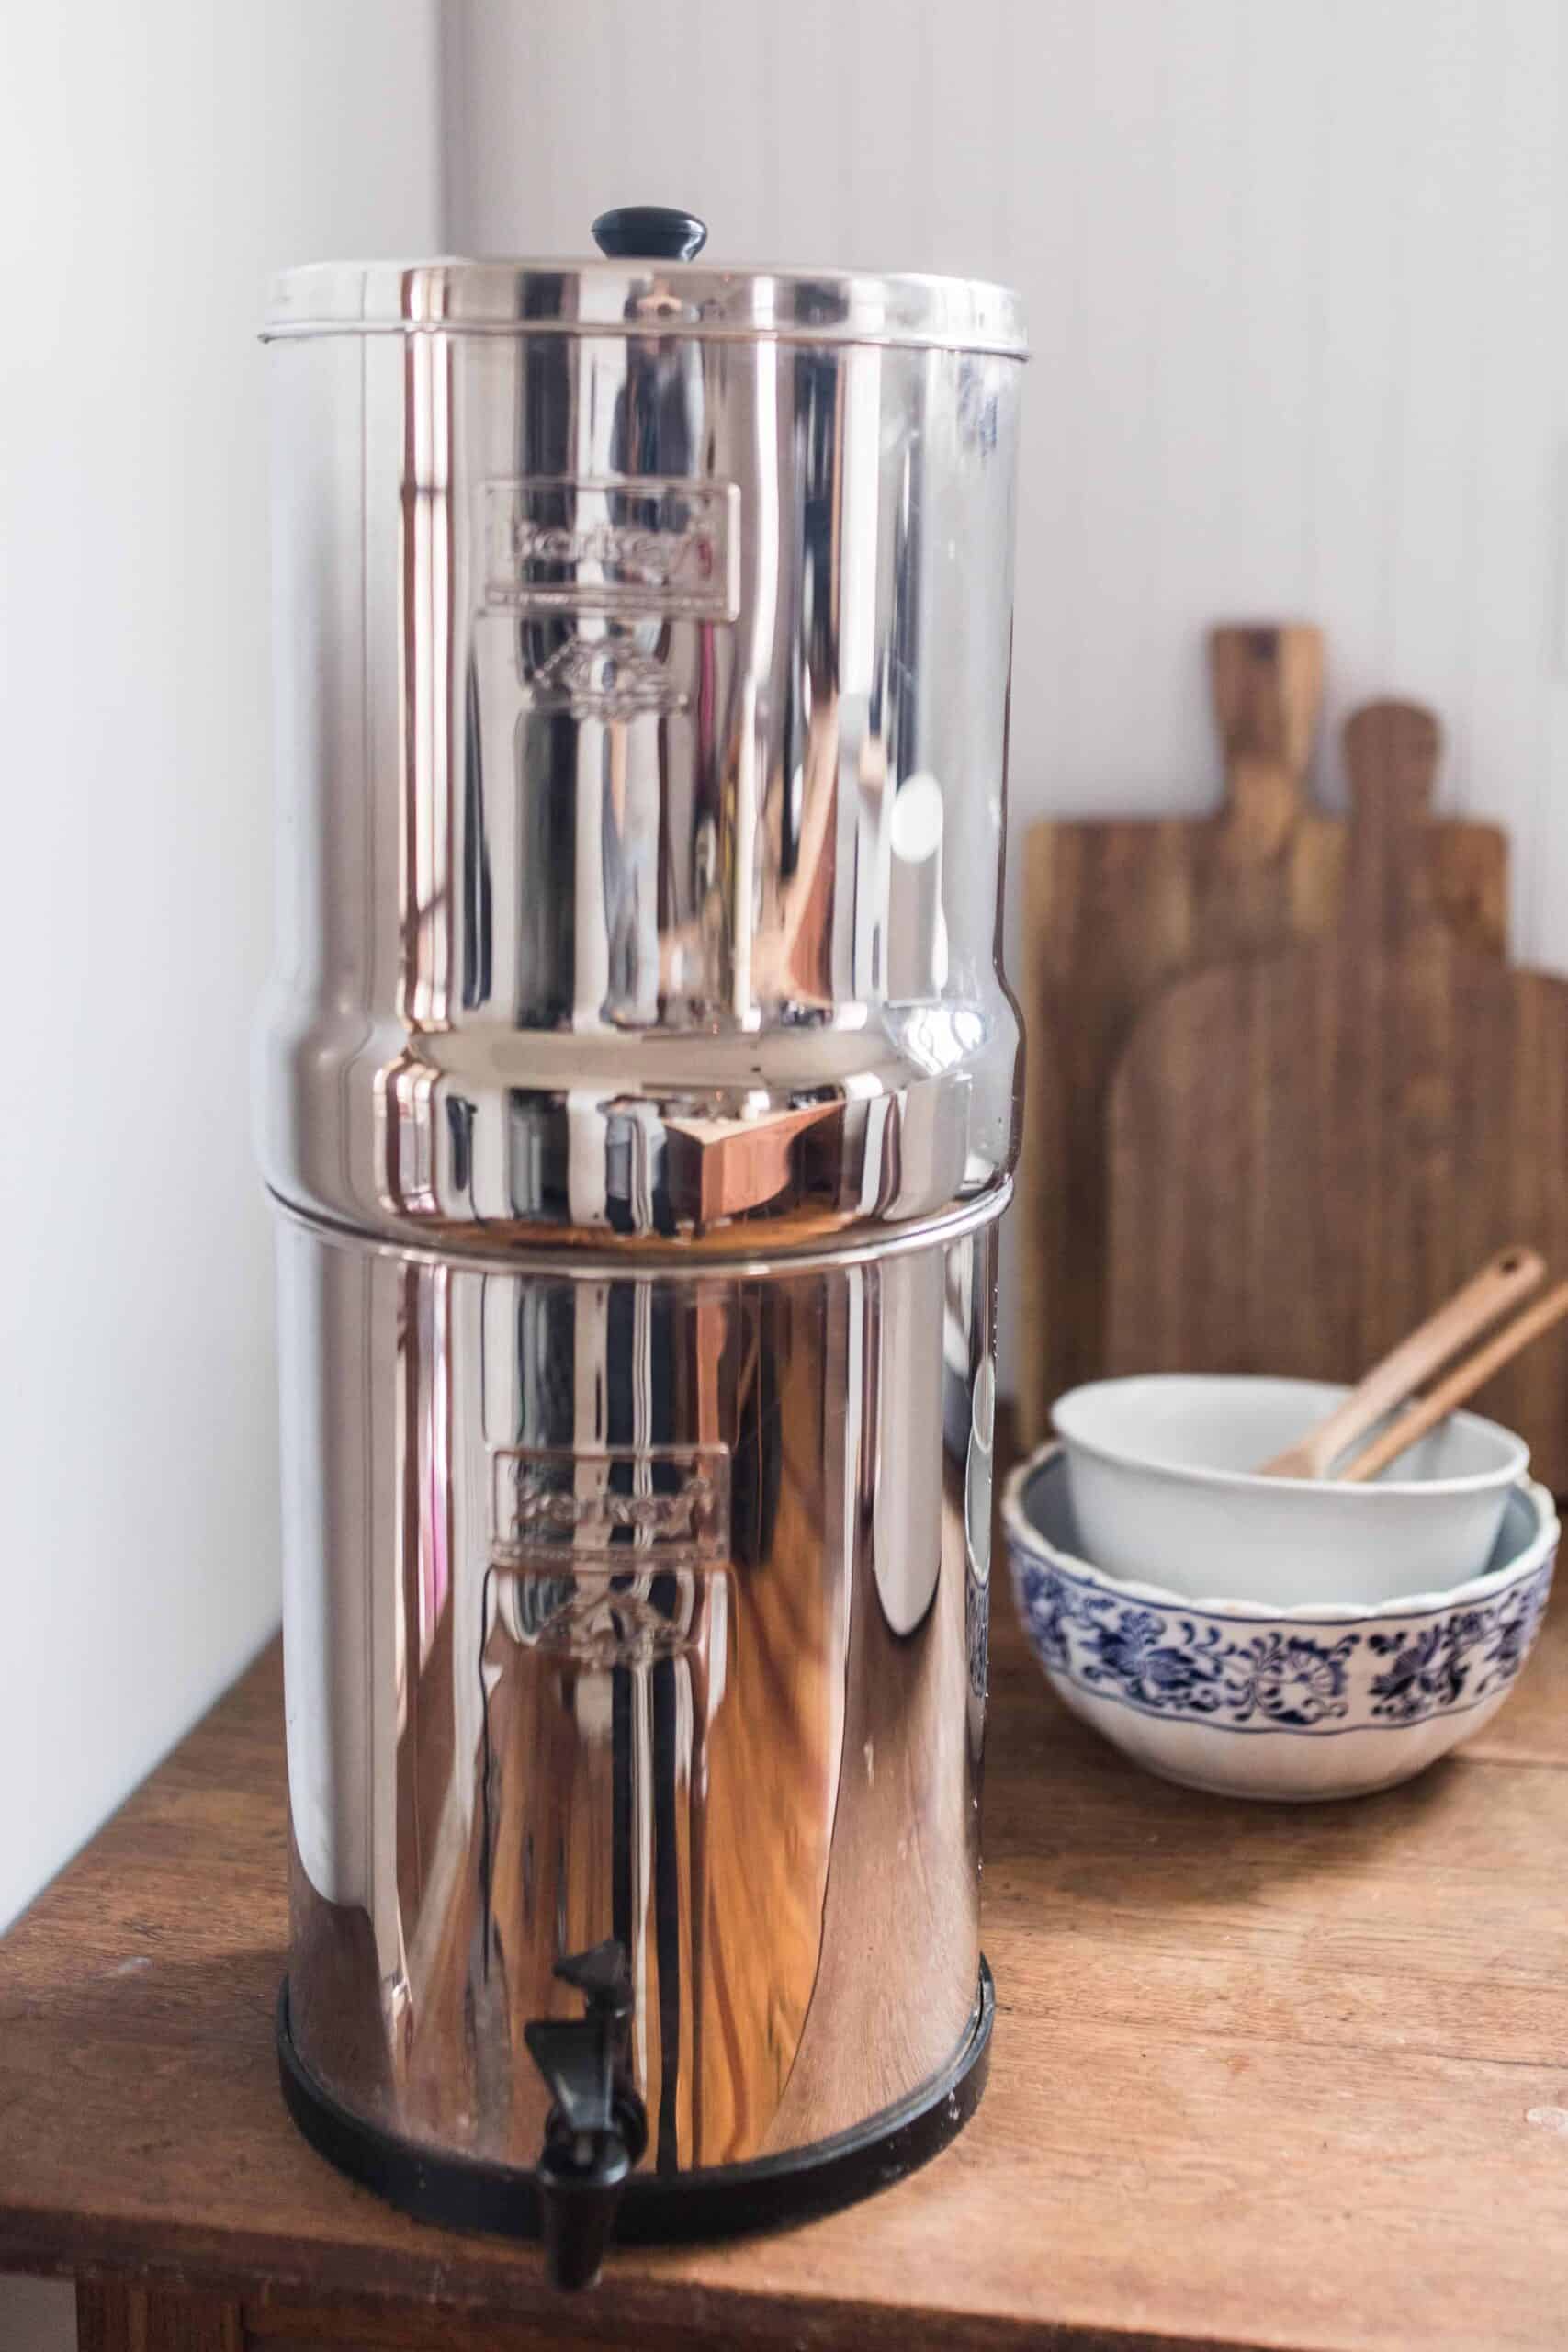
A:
x: 1462, y: 1382
x: 1508, y: 1278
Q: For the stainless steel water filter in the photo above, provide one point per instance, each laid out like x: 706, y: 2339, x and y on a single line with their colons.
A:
x: 638, y: 1097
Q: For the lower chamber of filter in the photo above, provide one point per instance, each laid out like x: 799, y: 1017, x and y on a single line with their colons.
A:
x: 725, y: 2201
x: 647, y: 1612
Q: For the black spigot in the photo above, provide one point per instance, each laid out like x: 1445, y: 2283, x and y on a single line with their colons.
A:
x: 650, y: 232
x: 597, y: 2127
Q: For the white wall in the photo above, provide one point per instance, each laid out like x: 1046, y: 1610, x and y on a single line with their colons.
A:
x: 156, y: 162
x: 1296, y: 282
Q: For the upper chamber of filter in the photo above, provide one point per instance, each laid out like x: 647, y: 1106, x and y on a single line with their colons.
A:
x: 643, y: 647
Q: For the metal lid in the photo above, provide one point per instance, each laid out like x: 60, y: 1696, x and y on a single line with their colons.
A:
x: 641, y: 297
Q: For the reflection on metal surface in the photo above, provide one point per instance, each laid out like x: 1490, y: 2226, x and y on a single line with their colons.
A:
x: 757, y: 1775
x: 640, y: 1087
x: 644, y: 298
x: 640, y: 689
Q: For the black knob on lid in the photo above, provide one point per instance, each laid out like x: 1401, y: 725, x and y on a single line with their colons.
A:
x: 650, y: 232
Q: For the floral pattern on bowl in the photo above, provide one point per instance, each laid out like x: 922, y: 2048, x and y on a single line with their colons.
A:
x: 1333, y: 1702
x: 1187, y: 1664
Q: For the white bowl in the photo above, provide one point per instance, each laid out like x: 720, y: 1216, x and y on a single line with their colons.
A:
x: 1163, y: 1470
x: 1249, y: 1700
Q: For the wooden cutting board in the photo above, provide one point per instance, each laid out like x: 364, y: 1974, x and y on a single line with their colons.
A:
x: 1308, y: 1150
x: 1114, y: 913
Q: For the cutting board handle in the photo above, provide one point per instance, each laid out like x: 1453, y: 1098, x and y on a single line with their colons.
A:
x: 1267, y: 689
x: 1392, y: 749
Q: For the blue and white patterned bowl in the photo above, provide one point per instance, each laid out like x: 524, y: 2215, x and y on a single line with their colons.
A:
x: 1249, y: 1699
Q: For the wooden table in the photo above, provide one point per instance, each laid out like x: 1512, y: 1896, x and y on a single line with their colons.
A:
x: 1262, y: 2078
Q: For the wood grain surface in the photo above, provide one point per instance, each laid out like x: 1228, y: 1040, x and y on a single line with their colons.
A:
x: 1282, y: 2077
x: 1310, y: 1150
x: 1116, y: 912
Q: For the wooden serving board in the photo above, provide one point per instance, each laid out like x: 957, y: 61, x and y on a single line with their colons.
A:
x: 1308, y: 1150
x: 1114, y: 913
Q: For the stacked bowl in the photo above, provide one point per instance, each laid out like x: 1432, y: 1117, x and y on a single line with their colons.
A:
x: 1261, y: 1636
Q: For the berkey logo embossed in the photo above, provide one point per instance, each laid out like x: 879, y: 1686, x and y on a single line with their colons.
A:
x: 605, y: 678
x: 624, y: 1507
x: 635, y: 548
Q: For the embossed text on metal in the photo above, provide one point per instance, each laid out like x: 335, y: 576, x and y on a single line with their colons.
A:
x: 635, y: 547
x: 627, y: 1506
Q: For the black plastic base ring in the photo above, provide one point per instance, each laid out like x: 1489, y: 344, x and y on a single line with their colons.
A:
x: 668, y: 2209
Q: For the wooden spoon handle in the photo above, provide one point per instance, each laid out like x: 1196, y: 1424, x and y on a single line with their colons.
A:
x: 1462, y: 1382
x: 1510, y: 1277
